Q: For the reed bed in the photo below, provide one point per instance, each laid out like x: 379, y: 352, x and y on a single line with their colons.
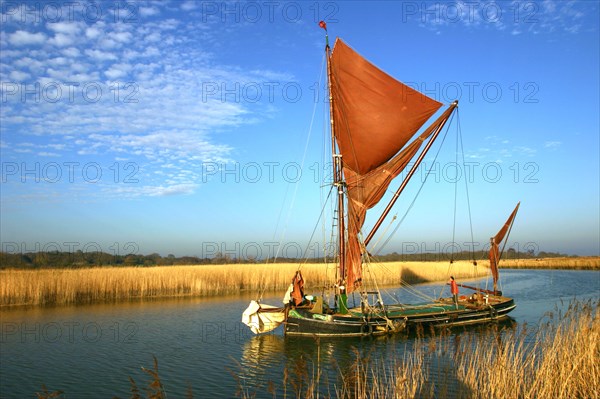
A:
x: 576, y: 263
x: 109, y: 284
x: 559, y: 359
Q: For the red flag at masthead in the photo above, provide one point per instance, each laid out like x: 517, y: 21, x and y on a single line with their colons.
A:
x: 323, y: 25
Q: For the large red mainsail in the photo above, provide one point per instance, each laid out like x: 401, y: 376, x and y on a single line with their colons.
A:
x: 375, y: 116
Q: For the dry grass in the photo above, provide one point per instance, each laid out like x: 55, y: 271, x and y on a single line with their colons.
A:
x: 560, y: 359
x: 108, y: 284
x: 578, y: 263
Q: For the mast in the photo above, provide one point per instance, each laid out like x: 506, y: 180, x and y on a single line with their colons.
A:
x: 336, y: 164
x: 413, y: 169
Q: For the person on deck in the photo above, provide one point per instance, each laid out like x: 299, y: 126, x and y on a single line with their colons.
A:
x: 454, y: 291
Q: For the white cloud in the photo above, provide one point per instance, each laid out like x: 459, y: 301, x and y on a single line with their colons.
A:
x: 19, y: 76
x: 189, y: 5
x: 30, y: 63
x: 62, y: 40
x: 152, y: 37
x: 515, y: 17
x: 169, y: 24
x: 71, y: 52
x: 68, y: 28
x: 11, y: 53
x: 100, y: 55
x: 552, y: 144
x: 524, y: 150
x: 168, y: 126
x: 58, y: 61
x: 122, y: 37
x: 93, y: 32
x: 118, y: 71
x: 155, y: 191
x: 148, y: 11
x: 24, y: 38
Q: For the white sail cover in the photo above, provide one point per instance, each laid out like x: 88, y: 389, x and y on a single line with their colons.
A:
x: 262, y: 318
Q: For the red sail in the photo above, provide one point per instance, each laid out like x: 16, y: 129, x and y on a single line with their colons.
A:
x: 495, y: 243
x: 365, y: 191
x: 374, y: 117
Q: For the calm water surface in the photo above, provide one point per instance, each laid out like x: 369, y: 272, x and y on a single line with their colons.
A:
x: 90, y: 351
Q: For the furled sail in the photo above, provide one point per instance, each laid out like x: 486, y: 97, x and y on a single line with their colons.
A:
x: 495, y: 243
x: 375, y: 116
x: 262, y: 318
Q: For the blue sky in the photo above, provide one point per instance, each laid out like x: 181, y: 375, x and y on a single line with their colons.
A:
x: 197, y: 127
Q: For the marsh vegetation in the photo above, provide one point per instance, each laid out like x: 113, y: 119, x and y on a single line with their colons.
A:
x: 66, y: 286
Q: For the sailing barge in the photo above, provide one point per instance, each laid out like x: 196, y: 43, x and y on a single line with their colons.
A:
x: 373, y: 118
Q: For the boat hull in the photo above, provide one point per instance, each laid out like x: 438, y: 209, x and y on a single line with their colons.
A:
x: 430, y: 316
x: 396, y: 318
x: 304, y: 323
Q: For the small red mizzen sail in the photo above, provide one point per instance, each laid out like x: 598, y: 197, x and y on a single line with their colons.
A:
x: 495, y: 245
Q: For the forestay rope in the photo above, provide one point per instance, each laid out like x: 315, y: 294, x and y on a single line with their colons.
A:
x: 308, y: 136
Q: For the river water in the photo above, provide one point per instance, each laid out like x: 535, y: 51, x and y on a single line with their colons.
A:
x: 200, y: 344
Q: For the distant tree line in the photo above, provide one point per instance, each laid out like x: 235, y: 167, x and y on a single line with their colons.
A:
x: 58, y: 259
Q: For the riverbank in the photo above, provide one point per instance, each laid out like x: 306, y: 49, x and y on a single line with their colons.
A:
x: 578, y: 263
x: 112, y: 284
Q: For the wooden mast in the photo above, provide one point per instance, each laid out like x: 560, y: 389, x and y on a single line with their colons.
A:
x: 337, y: 165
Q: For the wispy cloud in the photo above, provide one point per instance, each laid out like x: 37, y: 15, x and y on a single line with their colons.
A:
x: 515, y: 17
x: 143, y: 90
x: 552, y: 144
x: 498, y: 148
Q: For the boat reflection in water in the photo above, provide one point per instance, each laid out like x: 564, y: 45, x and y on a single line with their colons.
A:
x: 283, y: 364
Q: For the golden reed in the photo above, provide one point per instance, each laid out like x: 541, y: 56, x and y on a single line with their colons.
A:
x: 578, y: 263
x: 558, y: 359
x: 108, y: 284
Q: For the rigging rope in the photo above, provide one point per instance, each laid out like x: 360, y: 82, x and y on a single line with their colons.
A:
x: 282, y: 236
x: 459, y: 141
x: 305, y: 255
x: 310, y: 128
x: 462, y: 151
x: 455, y: 196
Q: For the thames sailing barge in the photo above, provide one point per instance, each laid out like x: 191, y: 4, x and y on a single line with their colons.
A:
x: 373, y: 118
